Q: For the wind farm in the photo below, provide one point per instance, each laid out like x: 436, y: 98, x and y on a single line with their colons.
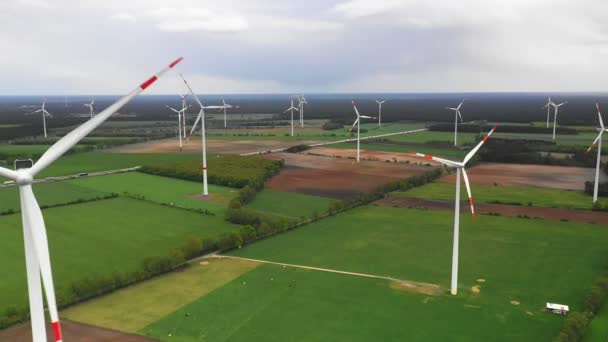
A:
x: 257, y: 190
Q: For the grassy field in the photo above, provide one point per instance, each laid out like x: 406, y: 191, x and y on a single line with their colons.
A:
x: 289, y: 204
x: 540, y: 197
x: 510, y: 255
x: 48, y: 194
x: 272, y: 303
x: 180, y: 193
x: 428, y: 136
x: 133, y: 308
x: 100, y: 238
x: 99, y: 161
x: 26, y: 151
x: 388, y: 147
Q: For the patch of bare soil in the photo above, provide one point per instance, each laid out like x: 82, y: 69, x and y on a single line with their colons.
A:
x: 515, y: 302
x: 481, y: 280
x: 422, y: 288
x: 72, y: 331
x: 542, y: 176
x: 335, y: 177
x: 585, y: 216
x: 476, y: 289
x: 394, y: 157
x: 213, y: 146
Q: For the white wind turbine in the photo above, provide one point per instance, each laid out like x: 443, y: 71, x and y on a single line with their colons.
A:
x: 460, y: 168
x: 291, y: 108
x: 358, y: 123
x: 184, y: 109
x: 181, y: 115
x: 90, y: 106
x: 548, y: 107
x: 44, y: 114
x: 380, y: 111
x: 201, y: 118
x: 225, y: 107
x: 556, y: 106
x: 598, y: 141
x: 456, y: 115
x: 38, y: 263
x: 302, y: 101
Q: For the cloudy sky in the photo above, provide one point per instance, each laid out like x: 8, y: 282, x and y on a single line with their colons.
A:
x: 257, y: 46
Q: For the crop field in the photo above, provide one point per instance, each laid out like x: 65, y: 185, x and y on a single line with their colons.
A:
x: 388, y: 147
x: 100, y: 161
x: 164, y: 190
x: 433, y: 136
x: 335, y: 178
x: 522, y: 175
x: 80, y: 237
x: 581, y: 139
x: 529, y: 196
x: 598, y: 330
x: 289, y: 204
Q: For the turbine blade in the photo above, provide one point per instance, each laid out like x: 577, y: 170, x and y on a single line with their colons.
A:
x: 354, y: 124
x: 460, y: 105
x: 34, y: 222
x: 356, y: 110
x: 437, y: 159
x: 69, y: 140
x: 468, y: 186
x: 8, y: 173
x: 173, y: 109
x: 599, y: 114
x: 366, y: 117
x: 474, y: 150
x: 461, y: 120
x: 599, y: 136
x: 198, y: 118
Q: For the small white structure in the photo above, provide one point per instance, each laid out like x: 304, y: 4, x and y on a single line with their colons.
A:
x: 558, y: 308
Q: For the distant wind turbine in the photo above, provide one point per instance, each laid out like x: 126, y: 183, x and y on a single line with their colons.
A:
x: 358, y: 123
x: 460, y: 168
x: 44, y: 115
x: 291, y: 108
x: 456, y: 115
x: 302, y: 101
x: 556, y: 106
x: 226, y: 107
x: 598, y: 141
x: 380, y: 112
x: 548, y: 106
x: 90, y: 106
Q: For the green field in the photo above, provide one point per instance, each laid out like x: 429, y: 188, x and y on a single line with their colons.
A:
x: 100, y: 161
x: 180, y: 193
x: 100, y: 238
x: 133, y: 308
x: 289, y: 204
x: 48, y: 194
x: 443, y: 152
x: 539, y: 197
x: 428, y: 136
x: 598, y: 330
x: 27, y: 151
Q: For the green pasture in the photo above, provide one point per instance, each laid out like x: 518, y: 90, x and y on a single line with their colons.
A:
x: 289, y: 204
x: 598, y: 330
x: 538, y: 197
x: 100, y: 238
x: 434, y: 136
x: 388, y: 147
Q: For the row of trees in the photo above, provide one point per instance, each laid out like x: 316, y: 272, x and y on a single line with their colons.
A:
x: 576, y: 324
x: 477, y: 128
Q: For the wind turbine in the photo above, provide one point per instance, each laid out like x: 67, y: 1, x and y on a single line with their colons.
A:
x: 456, y: 115
x: 225, y: 107
x: 291, y: 108
x: 460, y: 168
x: 180, y: 113
x: 302, y: 101
x: 380, y: 112
x: 38, y: 263
x: 556, y: 106
x: 90, y: 106
x: 358, y: 123
x: 201, y: 118
x: 598, y: 141
x: 548, y: 106
x: 44, y: 114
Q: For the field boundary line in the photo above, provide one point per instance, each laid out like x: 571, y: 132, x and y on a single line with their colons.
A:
x: 312, y: 268
x: 325, y: 143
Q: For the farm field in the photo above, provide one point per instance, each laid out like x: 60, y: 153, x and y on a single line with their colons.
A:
x: 164, y: 190
x: 388, y: 147
x: 100, y: 161
x: 335, y: 178
x: 522, y: 175
x: 133, y: 308
x: 79, y: 236
x: 49, y: 194
x: 434, y: 136
x: 581, y: 139
x: 289, y: 204
x: 482, y: 193
x: 382, y: 156
x: 598, y: 330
